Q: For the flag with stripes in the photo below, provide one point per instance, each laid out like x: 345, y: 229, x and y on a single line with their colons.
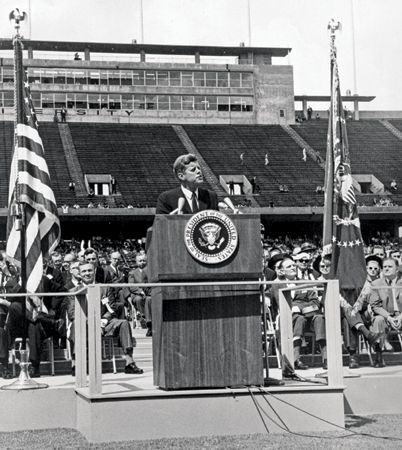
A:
x: 342, y: 234
x: 30, y: 186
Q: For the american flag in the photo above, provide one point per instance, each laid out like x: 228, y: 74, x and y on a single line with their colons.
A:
x: 30, y: 186
x: 342, y: 234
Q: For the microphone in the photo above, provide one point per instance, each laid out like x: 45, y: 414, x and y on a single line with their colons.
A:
x: 230, y: 204
x: 180, y: 206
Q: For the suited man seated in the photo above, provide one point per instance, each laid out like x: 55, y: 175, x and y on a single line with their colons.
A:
x: 188, y: 171
x: 141, y: 297
x: 307, y: 313
x: 386, y: 305
x: 112, y: 311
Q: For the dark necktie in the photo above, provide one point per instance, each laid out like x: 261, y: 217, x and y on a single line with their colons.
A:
x: 194, y: 204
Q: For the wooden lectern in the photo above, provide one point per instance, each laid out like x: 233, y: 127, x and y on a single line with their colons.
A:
x: 205, y: 336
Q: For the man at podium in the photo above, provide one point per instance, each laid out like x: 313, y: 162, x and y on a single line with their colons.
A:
x: 188, y: 198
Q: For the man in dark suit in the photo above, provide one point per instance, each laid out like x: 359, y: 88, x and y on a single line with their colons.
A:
x: 188, y: 171
x: 386, y: 305
x: 141, y: 297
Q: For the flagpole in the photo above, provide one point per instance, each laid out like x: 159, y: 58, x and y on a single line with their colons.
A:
x: 24, y: 381
x: 329, y: 168
x: 19, y: 216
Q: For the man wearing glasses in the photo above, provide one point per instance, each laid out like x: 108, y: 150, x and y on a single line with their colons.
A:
x: 304, y: 271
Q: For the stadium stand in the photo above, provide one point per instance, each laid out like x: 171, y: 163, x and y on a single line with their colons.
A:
x: 221, y: 147
x: 373, y: 150
x: 139, y: 156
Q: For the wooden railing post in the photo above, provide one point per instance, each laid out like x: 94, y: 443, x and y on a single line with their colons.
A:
x: 94, y: 340
x: 80, y: 344
x: 286, y: 327
x: 333, y: 334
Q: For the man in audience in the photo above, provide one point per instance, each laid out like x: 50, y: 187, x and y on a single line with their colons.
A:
x: 379, y: 250
x: 304, y: 271
x: 112, y: 311
x: 386, y: 304
x: 101, y: 275
x: 188, y: 171
x: 67, y: 260
x: 141, y: 296
x: 306, y: 312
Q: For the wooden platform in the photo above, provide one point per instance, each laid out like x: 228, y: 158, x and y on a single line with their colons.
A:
x: 132, y: 408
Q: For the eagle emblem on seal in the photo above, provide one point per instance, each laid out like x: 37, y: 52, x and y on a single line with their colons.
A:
x: 210, y: 234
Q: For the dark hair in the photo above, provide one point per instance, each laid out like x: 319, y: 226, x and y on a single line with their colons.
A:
x: 182, y: 162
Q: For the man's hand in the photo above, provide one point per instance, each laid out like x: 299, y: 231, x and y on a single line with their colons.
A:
x: 104, y: 322
x: 395, y: 322
x: 105, y: 300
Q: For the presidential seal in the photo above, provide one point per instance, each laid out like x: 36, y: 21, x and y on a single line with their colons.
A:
x: 210, y: 237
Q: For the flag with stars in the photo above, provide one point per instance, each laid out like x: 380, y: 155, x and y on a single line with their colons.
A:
x: 30, y: 186
x: 342, y: 234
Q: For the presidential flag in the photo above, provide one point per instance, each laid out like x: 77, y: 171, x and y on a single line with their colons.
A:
x: 342, y: 234
x: 29, y: 187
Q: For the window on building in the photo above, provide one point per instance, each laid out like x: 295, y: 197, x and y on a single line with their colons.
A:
x: 81, y: 101
x: 8, y: 74
x: 126, y: 78
x: 211, y: 103
x: 175, y: 102
x: 69, y: 77
x: 163, y: 78
x: 104, y: 101
x: 151, y: 101
x: 60, y: 76
x: 93, y: 101
x: 163, y: 102
x: 70, y: 100
x: 103, y: 77
x: 94, y: 77
x: 80, y: 77
x: 210, y: 79
x: 187, y: 79
x: 34, y: 75
x: 139, y: 101
x: 246, y: 80
x: 36, y: 99
x: 138, y: 78
x: 187, y: 102
x: 59, y: 100
x: 199, y: 79
x: 114, y: 77
x: 199, y: 103
x: 150, y: 78
x: 8, y: 98
x: 174, y: 78
x: 114, y: 101
x: 223, y: 79
x: 48, y: 76
x: 127, y: 101
x: 47, y: 100
x: 235, y: 79
x: 223, y: 103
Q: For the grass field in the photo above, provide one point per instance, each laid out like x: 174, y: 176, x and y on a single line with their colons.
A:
x: 354, y: 437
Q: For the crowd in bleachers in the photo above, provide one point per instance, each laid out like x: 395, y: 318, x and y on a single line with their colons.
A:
x: 76, y: 263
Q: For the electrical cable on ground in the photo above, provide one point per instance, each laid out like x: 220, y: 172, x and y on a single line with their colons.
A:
x: 351, y: 432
